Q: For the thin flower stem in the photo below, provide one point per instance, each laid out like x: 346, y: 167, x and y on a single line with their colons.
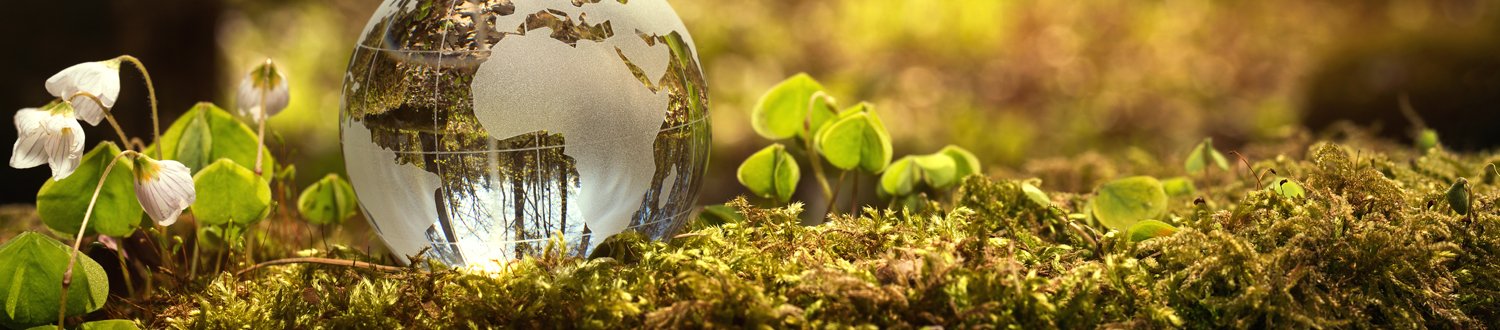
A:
x: 124, y: 141
x: 151, y: 92
x: 78, y: 240
x: 854, y: 197
x: 807, y: 141
x: 834, y: 198
x: 261, y: 134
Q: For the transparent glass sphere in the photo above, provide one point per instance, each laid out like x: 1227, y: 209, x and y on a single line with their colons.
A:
x: 475, y: 132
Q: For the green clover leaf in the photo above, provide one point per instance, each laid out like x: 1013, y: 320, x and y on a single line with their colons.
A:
x: 207, y: 133
x: 1458, y: 196
x: 858, y: 139
x: 62, y: 203
x: 329, y: 201
x: 1287, y: 188
x: 900, y: 178
x: 771, y: 173
x: 965, y: 160
x: 230, y: 194
x: 781, y: 112
x: 1148, y: 229
x: 1122, y: 202
x: 31, y: 274
x: 1178, y: 187
x: 1036, y: 195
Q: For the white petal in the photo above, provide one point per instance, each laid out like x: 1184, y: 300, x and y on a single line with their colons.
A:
x: 87, y: 110
x: 64, y: 146
x: 100, y: 78
x: 278, y: 98
x: 30, y: 148
x: 248, y: 100
x: 167, y: 191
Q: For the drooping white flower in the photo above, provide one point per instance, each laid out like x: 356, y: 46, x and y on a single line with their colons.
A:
x: 265, y: 80
x: 101, y: 78
x: 164, y: 188
x: 49, y: 135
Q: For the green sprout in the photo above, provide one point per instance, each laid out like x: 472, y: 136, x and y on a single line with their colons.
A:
x: 771, y: 173
x: 1148, y: 229
x: 1197, y: 160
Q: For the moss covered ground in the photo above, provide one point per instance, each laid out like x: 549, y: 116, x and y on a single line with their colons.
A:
x: 1374, y: 243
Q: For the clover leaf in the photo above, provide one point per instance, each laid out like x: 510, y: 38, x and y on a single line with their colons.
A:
x: 1458, y: 196
x: 1178, y: 187
x: 1036, y: 195
x: 771, y: 173
x: 1122, y: 202
x: 965, y: 161
x: 1197, y: 160
x: 230, y: 194
x: 900, y: 178
x: 329, y: 201
x: 31, y: 275
x: 207, y: 133
x: 1287, y: 188
x: 858, y: 139
x: 782, y: 111
x: 1148, y: 229
x: 62, y: 203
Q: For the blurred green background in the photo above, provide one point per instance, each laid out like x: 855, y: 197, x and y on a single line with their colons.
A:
x: 1026, y: 84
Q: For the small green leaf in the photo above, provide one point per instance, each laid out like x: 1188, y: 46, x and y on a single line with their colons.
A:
x: 31, y: 274
x: 965, y: 160
x: 1287, y: 188
x: 771, y: 173
x: 719, y: 214
x: 1123, y: 202
x: 96, y: 325
x: 1178, y: 187
x: 228, y: 138
x: 1036, y: 195
x: 61, y: 204
x: 1458, y: 196
x: 938, y: 170
x: 782, y: 111
x: 329, y: 201
x: 1427, y: 139
x: 230, y: 193
x: 1148, y: 229
x: 858, y: 139
x: 1197, y: 160
x: 900, y: 178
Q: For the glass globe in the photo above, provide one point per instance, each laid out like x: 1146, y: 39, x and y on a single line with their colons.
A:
x: 476, y: 132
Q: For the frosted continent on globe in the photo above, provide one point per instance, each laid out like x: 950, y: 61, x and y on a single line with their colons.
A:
x: 475, y: 131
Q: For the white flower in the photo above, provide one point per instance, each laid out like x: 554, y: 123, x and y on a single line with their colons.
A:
x: 263, y: 80
x: 164, y: 188
x: 102, y: 79
x: 48, y: 136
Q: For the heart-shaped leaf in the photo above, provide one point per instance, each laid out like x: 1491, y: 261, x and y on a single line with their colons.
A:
x: 900, y: 178
x: 771, y: 173
x: 965, y: 160
x: 31, y: 274
x: 96, y: 325
x: 230, y: 194
x: 1287, y: 188
x: 938, y: 170
x: 782, y: 111
x: 858, y: 139
x: 61, y: 204
x: 1178, y: 187
x: 329, y: 201
x: 1197, y: 160
x: 1122, y: 202
x: 1036, y: 195
x: 1148, y: 229
x: 207, y: 133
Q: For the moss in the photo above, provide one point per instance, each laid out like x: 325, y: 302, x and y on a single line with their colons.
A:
x: 1372, y: 244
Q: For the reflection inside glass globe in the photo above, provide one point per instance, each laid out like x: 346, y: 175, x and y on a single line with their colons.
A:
x: 475, y: 132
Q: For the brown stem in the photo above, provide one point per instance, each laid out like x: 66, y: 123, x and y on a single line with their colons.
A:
x: 323, y: 261
x: 78, y: 241
x: 150, y: 92
x: 124, y: 141
x: 124, y: 269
